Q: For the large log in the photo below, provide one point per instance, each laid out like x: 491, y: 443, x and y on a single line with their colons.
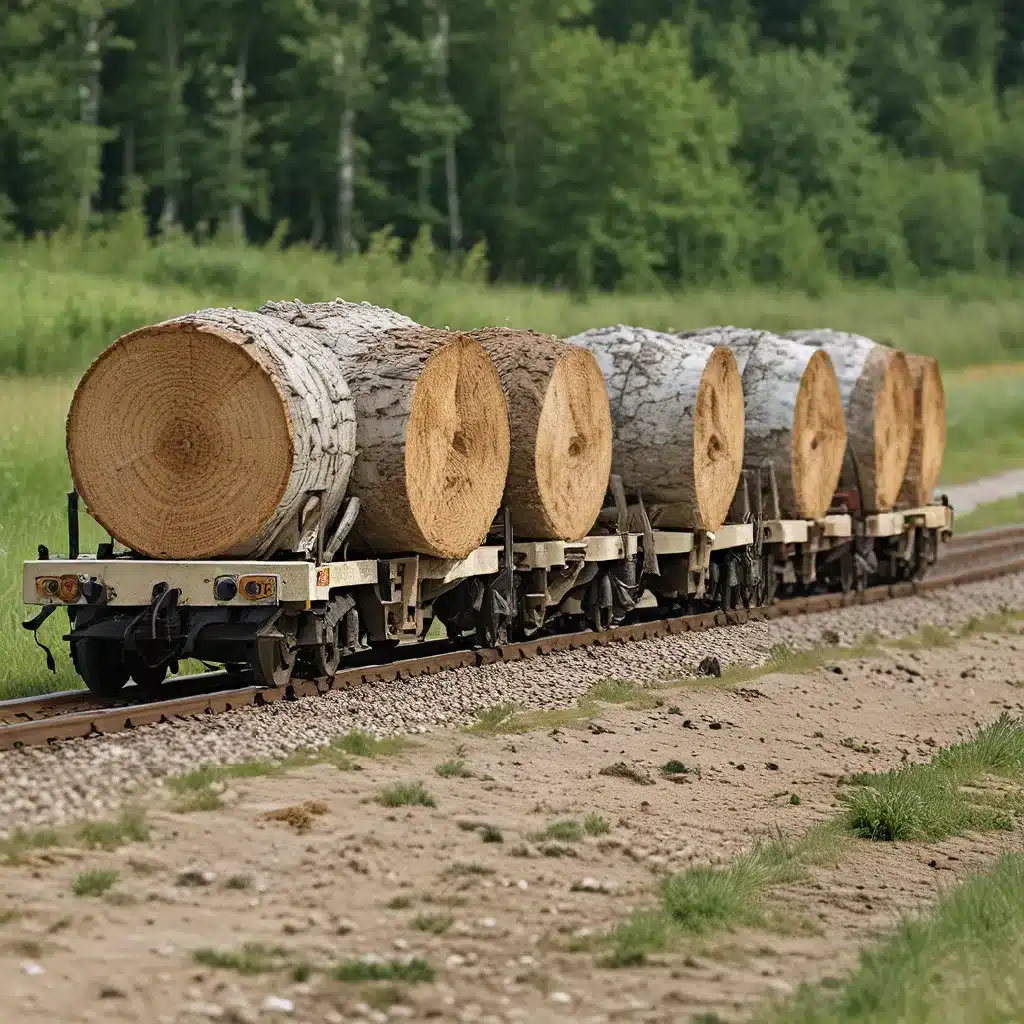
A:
x: 677, y: 415
x: 203, y: 436
x: 432, y: 427
x: 793, y: 414
x: 561, y: 432
x: 878, y: 399
x: 929, y: 445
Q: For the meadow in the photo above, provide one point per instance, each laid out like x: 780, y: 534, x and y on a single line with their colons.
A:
x: 66, y: 299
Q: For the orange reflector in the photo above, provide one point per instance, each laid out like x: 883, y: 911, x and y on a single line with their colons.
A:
x: 70, y: 588
x: 257, y: 588
x: 47, y: 586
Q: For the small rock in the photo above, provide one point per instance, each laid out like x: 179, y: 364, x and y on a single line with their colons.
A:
x: 211, y: 1011
x: 401, y: 944
x: 561, y: 997
x: 715, y: 725
x: 32, y: 969
x: 196, y: 878
x: 523, y: 883
x: 275, y: 1004
x: 591, y: 885
x: 345, y: 927
x: 771, y: 766
x: 455, y: 960
x: 111, y: 992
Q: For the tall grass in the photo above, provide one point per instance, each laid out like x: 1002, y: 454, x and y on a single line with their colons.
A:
x: 959, y: 963
x: 68, y: 297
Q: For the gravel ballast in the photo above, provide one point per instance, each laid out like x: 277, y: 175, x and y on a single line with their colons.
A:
x: 79, y: 779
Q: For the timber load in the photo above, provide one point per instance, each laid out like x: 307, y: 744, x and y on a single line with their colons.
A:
x: 793, y: 415
x: 218, y: 433
x: 205, y: 435
x: 878, y: 400
x: 677, y: 416
x: 929, y: 445
x: 561, y: 433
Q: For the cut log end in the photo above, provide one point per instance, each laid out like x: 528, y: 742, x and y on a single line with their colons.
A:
x: 179, y: 441
x: 573, y: 454
x: 924, y: 466
x: 893, y: 423
x: 718, y: 437
x: 819, y: 438
x: 456, y: 447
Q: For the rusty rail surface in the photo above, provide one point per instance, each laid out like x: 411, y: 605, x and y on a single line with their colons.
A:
x: 70, y: 714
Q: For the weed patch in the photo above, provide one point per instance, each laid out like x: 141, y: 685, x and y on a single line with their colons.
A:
x: 595, y: 825
x: 413, y: 970
x: 253, y: 958
x: 621, y: 770
x: 363, y: 744
x: 454, y: 769
x: 94, y: 883
x: 405, y: 794
x: 436, y: 924
x: 300, y: 816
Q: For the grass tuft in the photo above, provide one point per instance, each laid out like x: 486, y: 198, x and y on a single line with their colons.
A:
x: 436, y: 924
x: 253, y: 958
x: 621, y: 770
x: 94, y: 883
x: 363, y: 744
x: 567, y: 831
x: 405, y: 794
x: 413, y: 970
x: 941, y: 798
x: 454, y: 769
x: 595, y: 825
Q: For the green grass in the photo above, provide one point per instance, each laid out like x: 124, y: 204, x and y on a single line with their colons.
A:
x: 595, y: 825
x: 364, y: 970
x: 703, y: 899
x: 984, y: 423
x: 436, y: 924
x: 363, y: 744
x: 946, y: 796
x: 949, y: 795
x: 252, y: 958
x: 94, y: 883
x: 454, y: 769
x: 405, y: 794
x: 960, y: 962
x: 995, y: 513
x: 129, y: 827
x: 200, y: 790
x: 567, y: 831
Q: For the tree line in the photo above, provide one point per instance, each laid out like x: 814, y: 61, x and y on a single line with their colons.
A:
x: 587, y: 143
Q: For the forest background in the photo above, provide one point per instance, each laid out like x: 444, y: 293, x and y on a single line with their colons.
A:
x: 552, y: 164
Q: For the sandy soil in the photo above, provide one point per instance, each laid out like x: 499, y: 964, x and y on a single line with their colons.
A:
x: 356, y: 877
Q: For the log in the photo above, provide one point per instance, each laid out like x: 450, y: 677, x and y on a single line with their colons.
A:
x: 677, y: 417
x: 878, y: 399
x: 929, y: 445
x: 432, y: 427
x: 203, y: 436
x: 561, y: 447
x: 793, y: 413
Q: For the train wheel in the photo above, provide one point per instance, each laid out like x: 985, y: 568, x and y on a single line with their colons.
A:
x: 327, y: 656
x: 272, y: 661
x: 101, y: 666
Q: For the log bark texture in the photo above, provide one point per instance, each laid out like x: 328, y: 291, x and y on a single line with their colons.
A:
x: 561, y: 438
x: 432, y: 427
x: 929, y: 445
x: 878, y: 399
x: 677, y: 415
x: 203, y: 436
x: 793, y: 412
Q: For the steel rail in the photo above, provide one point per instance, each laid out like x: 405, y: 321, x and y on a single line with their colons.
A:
x: 72, y: 714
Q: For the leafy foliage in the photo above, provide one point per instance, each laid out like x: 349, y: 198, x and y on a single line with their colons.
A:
x: 582, y: 143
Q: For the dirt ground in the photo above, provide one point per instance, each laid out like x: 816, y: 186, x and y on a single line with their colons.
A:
x: 350, y: 877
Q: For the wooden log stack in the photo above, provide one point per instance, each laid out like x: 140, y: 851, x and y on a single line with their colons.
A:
x: 205, y: 436
x: 793, y: 414
x: 561, y: 433
x: 929, y: 445
x: 677, y: 415
x: 878, y: 400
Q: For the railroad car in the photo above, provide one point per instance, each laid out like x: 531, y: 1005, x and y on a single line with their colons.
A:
x: 306, y: 612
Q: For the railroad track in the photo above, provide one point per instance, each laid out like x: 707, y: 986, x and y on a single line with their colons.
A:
x: 32, y: 721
